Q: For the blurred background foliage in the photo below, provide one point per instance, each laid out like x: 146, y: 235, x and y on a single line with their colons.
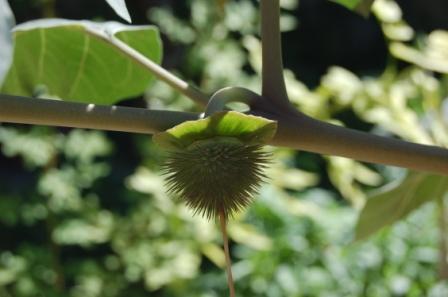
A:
x: 84, y: 213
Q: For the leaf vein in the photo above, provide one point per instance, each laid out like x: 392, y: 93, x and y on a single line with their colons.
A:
x: 78, y: 77
x: 41, y: 55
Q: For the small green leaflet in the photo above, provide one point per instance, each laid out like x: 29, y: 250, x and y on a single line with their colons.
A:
x: 76, y: 60
x: 395, y: 201
x: 360, y: 6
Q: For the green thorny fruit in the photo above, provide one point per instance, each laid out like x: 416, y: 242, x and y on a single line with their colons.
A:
x: 216, y: 164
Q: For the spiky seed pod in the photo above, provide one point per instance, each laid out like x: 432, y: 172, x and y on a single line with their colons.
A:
x: 217, y: 174
x: 216, y: 164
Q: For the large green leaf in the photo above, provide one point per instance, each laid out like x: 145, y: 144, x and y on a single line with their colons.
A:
x: 397, y: 200
x: 76, y: 60
x: 360, y: 6
x: 247, y: 128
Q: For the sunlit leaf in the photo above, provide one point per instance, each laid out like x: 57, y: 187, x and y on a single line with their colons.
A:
x: 248, y: 235
x: 12, y: 266
x: 168, y: 24
x: 214, y: 253
x: 120, y: 8
x: 387, y: 11
x: 291, y: 178
x: 395, y: 201
x: 76, y: 61
x: 433, y: 57
x: 398, y: 31
x: 345, y: 174
x: 36, y: 148
x: 343, y: 84
x: 350, y: 4
x: 83, y: 232
x: 85, y: 146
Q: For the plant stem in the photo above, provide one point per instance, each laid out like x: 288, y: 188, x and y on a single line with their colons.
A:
x: 295, y: 130
x: 273, y: 87
x: 223, y: 225
x: 24, y: 110
x: 302, y: 132
x: 364, y: 7
x: 219, y: 99
x: 443, y: 247
x: 59, y: 282
x: 175, y: 82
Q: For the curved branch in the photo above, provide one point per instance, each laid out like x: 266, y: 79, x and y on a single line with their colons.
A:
x: 273, y: 87
x: 223, y: 96
x: 24, y: 110
x: 302, y: 132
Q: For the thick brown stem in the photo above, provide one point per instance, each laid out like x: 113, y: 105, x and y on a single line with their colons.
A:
x: 223, y: 224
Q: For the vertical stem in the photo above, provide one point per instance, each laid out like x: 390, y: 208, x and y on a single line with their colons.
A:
x: 274, y: 87
x: 222, y: 221
x: 54, y: 247
x: 443, y: 247
x: 59, y: 283
x: 48, y: 8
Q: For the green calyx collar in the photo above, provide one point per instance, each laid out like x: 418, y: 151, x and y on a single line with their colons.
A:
x: 248, y: 129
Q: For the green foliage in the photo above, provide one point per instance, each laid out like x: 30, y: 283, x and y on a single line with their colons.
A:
x: 394, y: 202
x: 92, y: 71
x: 6, y: 24
x: 360, y: 6
x: 120, y: 8
x: 37, y: 147
x: 350, y: 4
x: 309, y: 253
x: 408, y: 104
x: 389, y: 14
x: 432, y: 56
x: 134, y: 239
